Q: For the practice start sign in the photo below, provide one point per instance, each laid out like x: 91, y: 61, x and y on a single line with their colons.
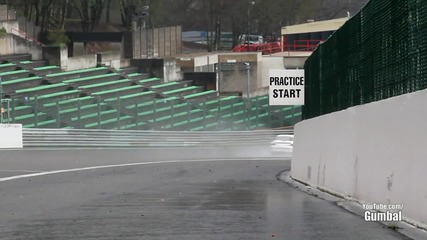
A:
x: 286, y: 87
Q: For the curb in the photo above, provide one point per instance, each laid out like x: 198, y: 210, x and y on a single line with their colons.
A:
x: 349, y: 205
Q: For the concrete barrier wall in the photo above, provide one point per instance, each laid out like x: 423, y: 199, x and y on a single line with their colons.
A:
x: 120, y: 63
x: 267, y: 64
x: 110, y: 56
x: 80, y: 62
x: 373, y: 153
x: 11, y: 44
x: 171, y: 72
x: 9, y: 25
x: 234, y: 72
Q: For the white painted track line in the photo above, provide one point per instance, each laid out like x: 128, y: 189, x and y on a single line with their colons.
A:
x: 37, y: 174
x: 14, y: 170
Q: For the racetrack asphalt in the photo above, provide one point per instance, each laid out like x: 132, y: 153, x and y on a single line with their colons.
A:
x: 164, y: 194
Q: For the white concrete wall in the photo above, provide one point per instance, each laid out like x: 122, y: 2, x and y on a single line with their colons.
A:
x: 80, y: 62
x: 374, y: 153
x: 270, y: 63
x: 171, y: 71
x: 260, y: 92
x: 10, y: 26
x: 11, y: 44
x: 319, y: 26
x: 205, y: 60
x: 119, y: 63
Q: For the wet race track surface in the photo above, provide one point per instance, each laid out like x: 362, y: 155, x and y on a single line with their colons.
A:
x: 179, y: 200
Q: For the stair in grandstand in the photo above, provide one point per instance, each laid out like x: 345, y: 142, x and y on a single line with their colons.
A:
x: 102, y: 97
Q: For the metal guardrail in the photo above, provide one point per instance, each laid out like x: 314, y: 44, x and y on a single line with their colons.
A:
x: 52, y: 138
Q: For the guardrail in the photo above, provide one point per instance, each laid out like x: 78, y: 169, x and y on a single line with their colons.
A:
x: 25, y: 36
x: 52, y: 138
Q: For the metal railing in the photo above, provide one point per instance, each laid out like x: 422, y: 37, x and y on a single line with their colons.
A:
x: 54, y: 138
x: 25, y: 36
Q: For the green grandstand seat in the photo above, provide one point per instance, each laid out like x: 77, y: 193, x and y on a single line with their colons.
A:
x: 52, y: 123
x: 95, y: 116
x: 201, y: 95
x: 151, y: 104
x: 136, y: 126
x: 52, y: 97
x: 237, y: 114
x: 199, y: 128
x: 44, y: 70
x: 112, y: 123
x: 259, y: 101
x: 128, y: 70
x: 130, y: 99
x: 138, y: 76
x: 165, y: 113
x: 211, y: 126
x: 190, y: 124
x: 260, y: 118
x: 8, y: 67
x: 72, y: 102
x: 21, y: 110
x: 229, y: 100
x: 55, y: 77
x: 220, y: 101
x: 178, y: 116
x: 207, y: 127
x: 225, y: 109
x: 119, y: 91
x: 82, y: 110
x: 21, y: 83
x: 30, y: 65
x: 106, y: 85
x: 166, y: 86
x: 257, y: 126
x: 101, y: 78
x: 147, y: 82
x: 11, y: 75
x: 182, y: 91
x: 134, y: 75
x: 43, y: 89
x: 32, y: 118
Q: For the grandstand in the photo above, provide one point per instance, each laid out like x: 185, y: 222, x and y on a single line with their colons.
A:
x: 101, y: 97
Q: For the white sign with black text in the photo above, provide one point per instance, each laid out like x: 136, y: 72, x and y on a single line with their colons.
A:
x: 11, y: 136
x: 286, y: 87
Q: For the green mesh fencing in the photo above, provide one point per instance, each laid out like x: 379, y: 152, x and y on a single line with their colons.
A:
x: 379, y: 53
x: 88, y: 112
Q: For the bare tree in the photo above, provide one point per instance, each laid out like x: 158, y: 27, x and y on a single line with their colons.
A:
x: 90, y: 12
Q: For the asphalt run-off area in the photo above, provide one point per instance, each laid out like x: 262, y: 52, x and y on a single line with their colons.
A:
x: 163, y: 193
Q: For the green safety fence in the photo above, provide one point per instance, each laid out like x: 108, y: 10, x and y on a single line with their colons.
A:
x: 379, y: 53
x: 147, y: 113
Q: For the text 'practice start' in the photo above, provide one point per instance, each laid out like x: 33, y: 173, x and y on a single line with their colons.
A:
x: 286, y: 81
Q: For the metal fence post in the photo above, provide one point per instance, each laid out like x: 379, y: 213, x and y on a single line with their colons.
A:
x: 155, y: 113
x: 13, y: 107
x: 79, y: 117
x: 136, y: 114
x: 171, y: 120
x: 99, y: 113
x: 119, y: 126
x: 37, y: 111
x: 58, y: 116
